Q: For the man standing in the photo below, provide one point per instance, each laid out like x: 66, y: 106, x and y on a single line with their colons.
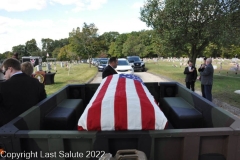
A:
x: 15, y: 55
x: 19, y: 92
x: 201, y: 69
x: 110, y: 69
x: 191, y: 75
x: 207, y: 79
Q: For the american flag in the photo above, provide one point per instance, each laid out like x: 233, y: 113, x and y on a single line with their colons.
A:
x: 131, y: 76
x: 122, y: 102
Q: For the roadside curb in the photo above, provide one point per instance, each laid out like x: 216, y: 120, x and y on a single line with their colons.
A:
x: 89, y: 81
x: 232, y: 109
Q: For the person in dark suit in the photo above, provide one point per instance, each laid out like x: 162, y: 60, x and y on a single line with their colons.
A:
x: 110, y: 69
x: 207, y: 79
x: 191, y: 75
x: 27, y: 68
x: 15, y: 55
x: 19, y: 92
x: 201, y: 69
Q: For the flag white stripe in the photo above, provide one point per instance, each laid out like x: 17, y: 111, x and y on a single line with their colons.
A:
x: 107, y: 110
x: 133, y: 106
x: 160, y: 119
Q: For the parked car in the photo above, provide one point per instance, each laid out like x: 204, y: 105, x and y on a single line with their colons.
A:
x: 97, y: 63
x: 83, y: 61
x: 136, y: 63
x: 124, y: 66
x: 103, y: 59
x: 102, y: 65
x: 94, y: 60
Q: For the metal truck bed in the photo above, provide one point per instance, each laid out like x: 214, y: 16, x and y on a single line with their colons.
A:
x: 218, y: 135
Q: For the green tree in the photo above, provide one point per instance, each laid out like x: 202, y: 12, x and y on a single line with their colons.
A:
x: 31, y: 48
x: 235, y: 51
x: 63, y: 55
x: 66, y: 53
x: 230, y: 51
x: 131, y: 46
x: 55, y: 52
x: 188, y: 26
x: 109, y: 37
x: 60, y: 43
x: 111, y: 50
x: 84, y: 41
x: 117, y: 51
x: 57, y: 45
x: 101, y: 47
x: 146, y: 40
x: 6, y: 55
x: 212, y: 50
x: 144, y: 43
x: 160, y: 46
x: 20, y: 49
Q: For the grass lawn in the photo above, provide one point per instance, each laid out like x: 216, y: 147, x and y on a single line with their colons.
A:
x: 79, y: 73
x: 225, y: 81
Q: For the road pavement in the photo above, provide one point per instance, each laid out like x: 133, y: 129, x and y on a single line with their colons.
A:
x: 145, y: 76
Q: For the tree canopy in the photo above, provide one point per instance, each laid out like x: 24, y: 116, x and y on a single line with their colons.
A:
x: 83, y: 42
x: 189, y: 26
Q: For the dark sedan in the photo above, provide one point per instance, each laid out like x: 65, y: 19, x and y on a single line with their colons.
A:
x: 102, y: 65
x: 136, y: 63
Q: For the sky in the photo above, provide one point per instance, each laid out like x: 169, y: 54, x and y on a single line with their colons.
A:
x: 23, y: 20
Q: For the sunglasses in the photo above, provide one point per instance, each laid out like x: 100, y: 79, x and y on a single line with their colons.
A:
x: 4, y: 71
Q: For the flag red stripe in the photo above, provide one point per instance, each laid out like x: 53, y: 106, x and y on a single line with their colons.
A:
x: 80, y: 128
x: 94, y: 112
x: 147, y: 109
x: 120, y: 105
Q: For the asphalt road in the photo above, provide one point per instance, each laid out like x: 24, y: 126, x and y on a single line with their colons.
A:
x: 145, y: 76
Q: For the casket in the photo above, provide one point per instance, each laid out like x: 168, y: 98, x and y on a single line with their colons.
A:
x: 122, y: 102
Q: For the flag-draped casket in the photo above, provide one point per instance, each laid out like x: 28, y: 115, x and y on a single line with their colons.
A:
x: 122, y: 102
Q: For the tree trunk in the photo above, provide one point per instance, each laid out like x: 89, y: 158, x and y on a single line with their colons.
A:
x: 90, y: 60
x: 194, y: 54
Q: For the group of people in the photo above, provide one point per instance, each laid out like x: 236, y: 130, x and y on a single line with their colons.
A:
x: 19, y: 91
x: 206, y: 77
